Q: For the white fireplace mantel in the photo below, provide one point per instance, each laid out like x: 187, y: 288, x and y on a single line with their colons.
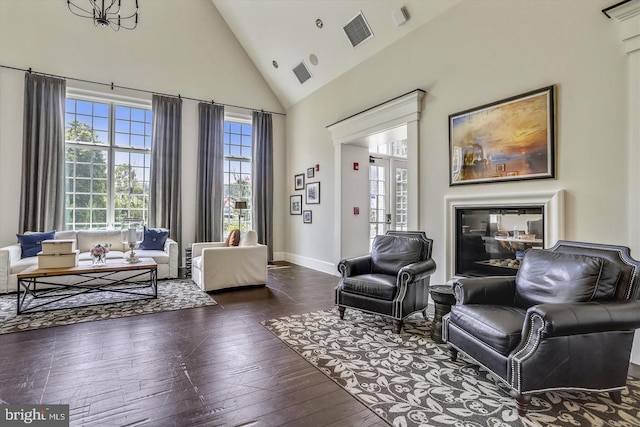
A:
x: 551, y: 201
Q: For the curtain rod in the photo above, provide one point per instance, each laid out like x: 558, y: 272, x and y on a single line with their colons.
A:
x: 113, y: 86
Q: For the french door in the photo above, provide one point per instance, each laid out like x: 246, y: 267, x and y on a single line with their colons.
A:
x: 388, y: 196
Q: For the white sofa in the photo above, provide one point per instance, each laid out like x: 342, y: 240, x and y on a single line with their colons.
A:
x: 215, y: 266
x: 11, y: 264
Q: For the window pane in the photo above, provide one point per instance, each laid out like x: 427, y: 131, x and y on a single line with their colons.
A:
x: 137, y: 141
x: 101, y: 110
x: 85, y: 120
x: 102, y: 137
x: 122, y: 126
x: 84, y: 107
x: 122, y: 139
x: 137, y: 114
x: 137, y: 128
x: 100, y: 123
x: 99, y: 186
x: 123, y: 113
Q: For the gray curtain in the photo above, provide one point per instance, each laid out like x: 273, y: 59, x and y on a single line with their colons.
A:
x: 42, y: 197
x: 165, y: 199
x: 263, y: 179
x: 210, y: 184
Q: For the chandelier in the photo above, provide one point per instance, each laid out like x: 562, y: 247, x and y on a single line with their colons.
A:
x: 105, y: 13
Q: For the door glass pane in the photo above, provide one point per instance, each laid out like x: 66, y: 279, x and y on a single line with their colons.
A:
x: 377, y: 201
x: 402, y: 196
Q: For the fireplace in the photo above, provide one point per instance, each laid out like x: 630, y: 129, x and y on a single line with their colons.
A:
x: 492, y: 241
x: 487, y: 234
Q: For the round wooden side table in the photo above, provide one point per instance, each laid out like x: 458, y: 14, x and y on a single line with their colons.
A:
x: 443, y: 299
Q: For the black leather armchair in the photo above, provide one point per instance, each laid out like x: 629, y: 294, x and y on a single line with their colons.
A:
x: 393, y: 281
x: 565, y: 322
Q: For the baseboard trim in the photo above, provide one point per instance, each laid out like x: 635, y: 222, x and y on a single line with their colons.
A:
x: 314, y: 264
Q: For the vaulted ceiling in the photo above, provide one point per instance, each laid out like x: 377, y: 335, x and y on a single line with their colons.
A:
x: 286, y: 33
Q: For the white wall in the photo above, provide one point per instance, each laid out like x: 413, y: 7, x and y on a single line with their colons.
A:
x: 180, y: 47
x: 476, y: 53
x: 354, y: 196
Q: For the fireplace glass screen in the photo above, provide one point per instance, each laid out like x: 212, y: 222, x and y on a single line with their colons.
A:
x: 492, y: 241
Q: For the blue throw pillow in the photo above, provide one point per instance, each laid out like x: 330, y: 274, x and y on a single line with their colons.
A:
x: 31, y: 243
x: 154, y: 239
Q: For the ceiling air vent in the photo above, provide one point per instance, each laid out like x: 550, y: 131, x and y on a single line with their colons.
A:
x: 358, y: 30
x: 302, y: 73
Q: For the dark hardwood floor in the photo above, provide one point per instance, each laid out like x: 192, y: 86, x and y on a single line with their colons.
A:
x: 210, y: 366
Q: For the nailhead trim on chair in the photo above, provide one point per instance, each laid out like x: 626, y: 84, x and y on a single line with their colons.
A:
x: 396, y: 308
x: 528, y: 348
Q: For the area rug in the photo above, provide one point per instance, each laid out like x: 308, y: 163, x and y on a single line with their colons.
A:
x: 172, y: 295
x: 408, y: 380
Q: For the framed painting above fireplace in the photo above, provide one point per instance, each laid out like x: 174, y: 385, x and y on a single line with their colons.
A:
x: 511, y: 139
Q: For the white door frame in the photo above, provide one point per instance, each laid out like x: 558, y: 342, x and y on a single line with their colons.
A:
x: 403, y: 110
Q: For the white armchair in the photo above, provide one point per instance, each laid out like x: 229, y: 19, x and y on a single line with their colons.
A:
x: 216, y: 266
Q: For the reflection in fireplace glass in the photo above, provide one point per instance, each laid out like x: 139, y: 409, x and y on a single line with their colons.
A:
x: 492, y: 241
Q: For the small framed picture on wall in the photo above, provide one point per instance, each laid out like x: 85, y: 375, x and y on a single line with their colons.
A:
x: 306, y: 217
x: 295, y: 205
x: 310, y: 173
x: 299, y: 182
x: 312, y: 196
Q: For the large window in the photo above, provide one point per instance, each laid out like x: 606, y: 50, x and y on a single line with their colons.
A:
x: 108, y: 146
x: 237, y: 175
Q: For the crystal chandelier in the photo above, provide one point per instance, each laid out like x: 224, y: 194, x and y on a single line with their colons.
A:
x: 105, y: 13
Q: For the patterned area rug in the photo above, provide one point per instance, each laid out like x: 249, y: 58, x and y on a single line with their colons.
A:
x: 408, y: 380
x: 172, y: 295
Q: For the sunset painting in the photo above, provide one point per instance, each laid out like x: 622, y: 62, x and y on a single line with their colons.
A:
x: 507, y: 140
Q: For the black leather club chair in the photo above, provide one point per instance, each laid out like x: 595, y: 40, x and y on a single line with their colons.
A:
x: 566, y: 321
x: 392, y: 281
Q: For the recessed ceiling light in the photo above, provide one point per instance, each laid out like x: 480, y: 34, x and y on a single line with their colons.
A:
x: 274, y: 63
x: 319, y: 23
x: 313, y: 59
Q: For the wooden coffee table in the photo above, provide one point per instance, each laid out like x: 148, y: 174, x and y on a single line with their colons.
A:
x: 41, y: 287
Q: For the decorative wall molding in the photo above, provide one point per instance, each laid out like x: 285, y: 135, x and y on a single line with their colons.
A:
x: 393, y: 113
x: 628, y: 16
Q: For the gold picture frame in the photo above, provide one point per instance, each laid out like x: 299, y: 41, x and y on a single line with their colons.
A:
x: 511, y: 139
